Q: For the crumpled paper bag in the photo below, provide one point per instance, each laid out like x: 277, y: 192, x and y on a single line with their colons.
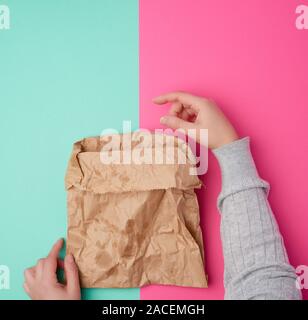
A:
x: 131, y: 225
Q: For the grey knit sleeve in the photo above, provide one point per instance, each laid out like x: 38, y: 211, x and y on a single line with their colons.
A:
x: 256, y: 262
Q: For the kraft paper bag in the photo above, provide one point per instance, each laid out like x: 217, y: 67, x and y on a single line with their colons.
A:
x: 134, y: 224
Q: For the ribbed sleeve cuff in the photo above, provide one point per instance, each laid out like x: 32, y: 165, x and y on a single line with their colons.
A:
x: 238, y: 169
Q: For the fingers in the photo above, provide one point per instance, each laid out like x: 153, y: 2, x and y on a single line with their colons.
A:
x: 26, y: 288
x: 185, y: 115
x: 71, y: 274
x: 55, y: 250
x: 39, y: 268
x: 176, y: 108
x: 184, y: 98
x: 29, y: 274
x: 51, y: 262
x: 41, y: 281
x: 174, y: 122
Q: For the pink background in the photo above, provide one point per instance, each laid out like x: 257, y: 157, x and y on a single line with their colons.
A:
x: 250, y: 58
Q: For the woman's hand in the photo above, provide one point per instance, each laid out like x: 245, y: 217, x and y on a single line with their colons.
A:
x: 191, y: 112
x: 41, y: 282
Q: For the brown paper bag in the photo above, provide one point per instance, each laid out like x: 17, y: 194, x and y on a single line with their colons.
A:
x: 131, y: 225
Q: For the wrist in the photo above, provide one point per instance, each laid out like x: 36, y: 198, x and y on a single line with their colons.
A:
x: 225, y: 139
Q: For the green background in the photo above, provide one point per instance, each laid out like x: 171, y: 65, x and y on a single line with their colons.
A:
x: 68, y: 69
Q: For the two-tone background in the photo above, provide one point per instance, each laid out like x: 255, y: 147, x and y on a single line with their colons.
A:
x: 69, y: 69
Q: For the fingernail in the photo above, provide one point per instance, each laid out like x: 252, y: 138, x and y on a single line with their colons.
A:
x: 163, y: 120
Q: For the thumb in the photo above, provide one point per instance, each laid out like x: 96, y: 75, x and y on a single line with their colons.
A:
x: 71, y: 274
x: 174, y: 122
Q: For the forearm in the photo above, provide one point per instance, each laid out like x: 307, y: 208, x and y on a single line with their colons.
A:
x: 256, y: 263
